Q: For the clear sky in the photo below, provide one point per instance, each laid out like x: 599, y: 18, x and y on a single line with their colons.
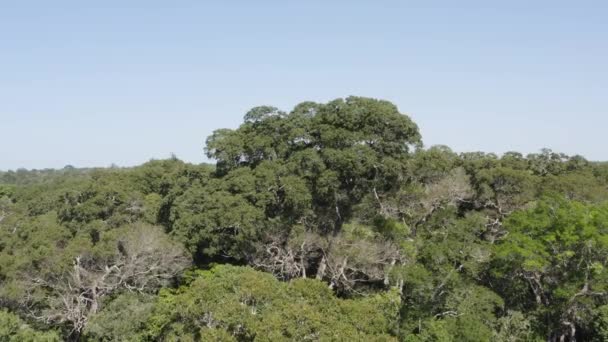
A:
x: 91, y: 83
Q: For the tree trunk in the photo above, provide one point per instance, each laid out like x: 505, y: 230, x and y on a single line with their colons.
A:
x: 387, y: 272
x: 322, y: 268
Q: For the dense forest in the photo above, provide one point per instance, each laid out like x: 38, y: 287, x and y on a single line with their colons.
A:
x: 331, y: 222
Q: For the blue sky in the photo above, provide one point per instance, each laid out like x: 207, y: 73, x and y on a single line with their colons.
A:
x: 94, y: 83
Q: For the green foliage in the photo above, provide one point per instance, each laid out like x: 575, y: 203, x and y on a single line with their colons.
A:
x: 600, y: 323
x: 248, y: 305
x: 13, y: 329
x: 560, y: 248
x: 123, y: 318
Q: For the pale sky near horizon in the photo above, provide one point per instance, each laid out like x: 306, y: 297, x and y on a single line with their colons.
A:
x: 126, y: 81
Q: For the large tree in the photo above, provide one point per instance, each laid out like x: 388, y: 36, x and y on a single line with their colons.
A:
x: 309, y: 167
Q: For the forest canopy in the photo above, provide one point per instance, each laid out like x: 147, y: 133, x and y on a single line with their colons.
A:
x: 328, y: 222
